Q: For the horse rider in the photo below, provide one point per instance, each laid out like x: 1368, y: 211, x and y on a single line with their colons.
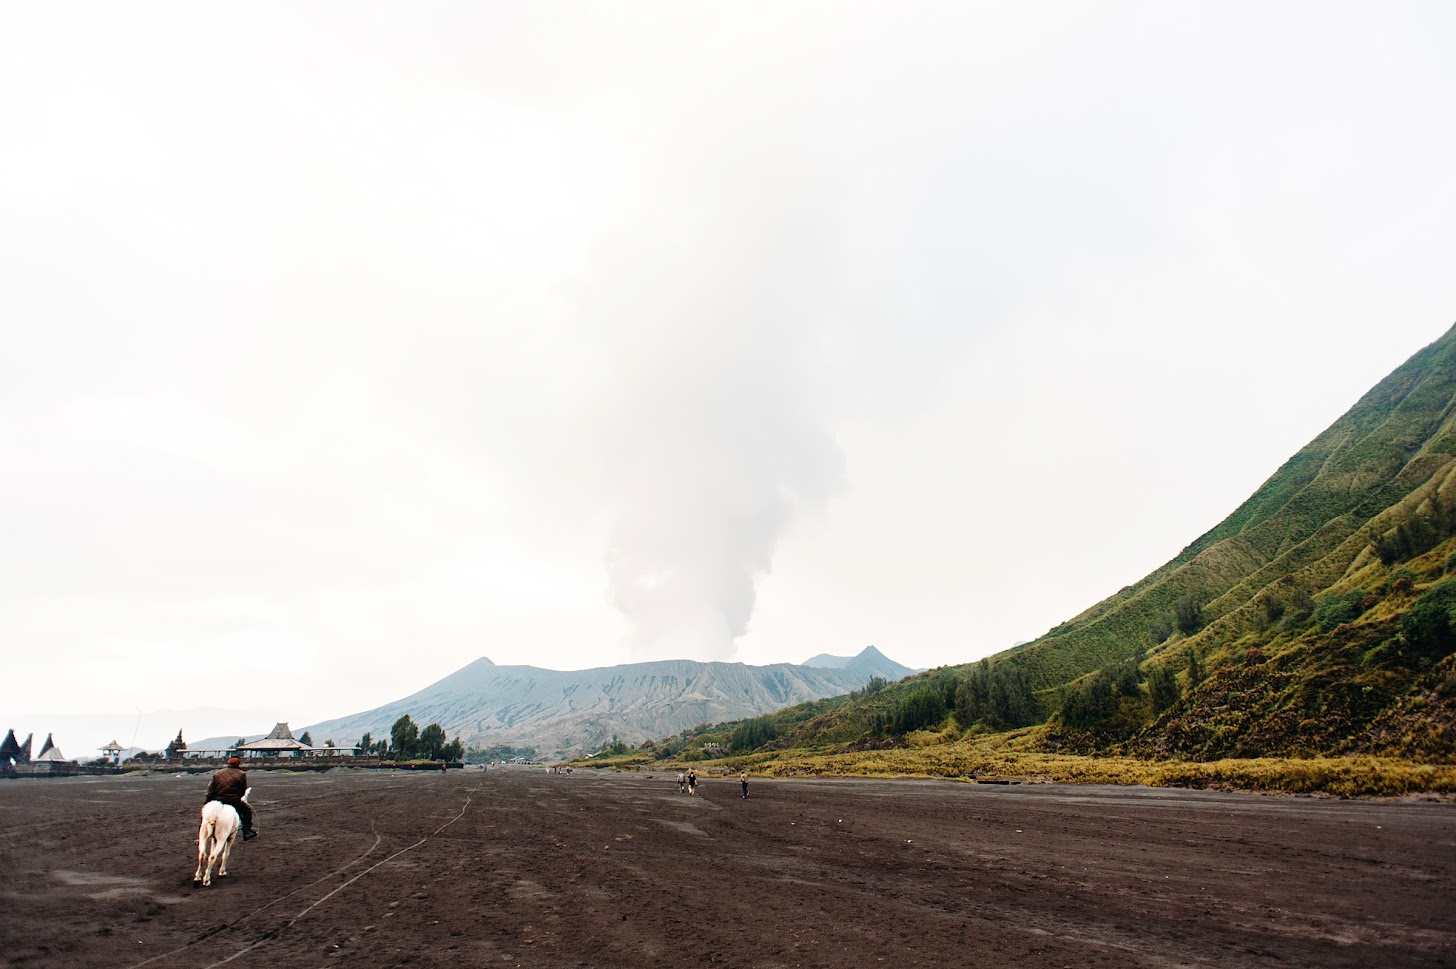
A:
x: 228, y: 786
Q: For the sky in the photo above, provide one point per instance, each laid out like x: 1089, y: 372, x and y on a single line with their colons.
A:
x: 344, y: 344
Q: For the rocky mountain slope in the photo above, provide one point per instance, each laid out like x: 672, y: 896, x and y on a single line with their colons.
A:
x: 561, y: 713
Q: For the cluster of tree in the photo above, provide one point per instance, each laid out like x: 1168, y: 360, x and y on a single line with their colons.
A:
x: 614, y: 747
x: 1160, y: 629
x: 1099, y: 697
x: 1162, y: 688
x: 1187, y: 618
x: 408, y: 742
x: 1187, y: 615
x: 872, y: 686
x: 998, y: 695
x: 921, y: 708
x: 681, y: 745
x: 369, y: 747
x: 488, y: 755
x: 752, y: 734
x: 1429, y: 626
x: 1096, y: 698
x: 1293, y: 607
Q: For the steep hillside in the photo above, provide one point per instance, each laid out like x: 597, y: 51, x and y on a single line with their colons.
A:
x: 1310, y: 520
x: 1317, y: 619
x: 560, y: 713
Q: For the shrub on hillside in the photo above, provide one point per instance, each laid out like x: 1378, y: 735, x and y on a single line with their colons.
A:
x: 1195, y: 669
x: 1128, y: 676
x: 1428, y: 625
x: 1162, y: 688
x: 1187, y: 615
x: 1160, y: 629
x: 751, y: 734
x: 1000, y: 696
x: 1090, y: 702
x: 1273, y: 608
x: 923, y: 708
x: 1414, y: 537
x: 1337, y: 608
x: 872, y: 686
x: 1299, y: 610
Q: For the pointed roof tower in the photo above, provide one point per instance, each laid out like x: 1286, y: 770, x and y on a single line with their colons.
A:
x: 9, y: 749
x: 45, y: 746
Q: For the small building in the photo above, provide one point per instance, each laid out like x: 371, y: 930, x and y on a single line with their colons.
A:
x: 279, y: 743
x: 112, y: 753
x: 52, y: 758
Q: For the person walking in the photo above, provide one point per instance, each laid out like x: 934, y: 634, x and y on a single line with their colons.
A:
x: 743, y: 779
x: 228, y: 787
x: 692, y: 781
x: 682, y: 782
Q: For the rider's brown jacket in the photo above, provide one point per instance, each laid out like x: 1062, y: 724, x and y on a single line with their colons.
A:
x: 228, y: 784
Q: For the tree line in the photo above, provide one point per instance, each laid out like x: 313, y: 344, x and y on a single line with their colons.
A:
x: 408, y: 741
x: 998, y: 695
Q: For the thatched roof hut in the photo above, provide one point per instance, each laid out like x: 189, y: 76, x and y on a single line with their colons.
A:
x: 279, y: 742
x: 51, y: 755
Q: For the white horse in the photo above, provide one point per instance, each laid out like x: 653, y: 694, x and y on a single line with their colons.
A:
x: 220, y: 826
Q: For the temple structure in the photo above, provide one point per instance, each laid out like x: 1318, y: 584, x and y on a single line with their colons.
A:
x: 279, y: 743
x: 51, y: 756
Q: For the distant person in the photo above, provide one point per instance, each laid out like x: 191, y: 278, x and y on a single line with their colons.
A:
x: 682, y: 782
x: 228, y: 786
x: 692, y: 781
x: 743, y: 779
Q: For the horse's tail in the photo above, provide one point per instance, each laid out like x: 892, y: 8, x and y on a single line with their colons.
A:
x: 207, y: 832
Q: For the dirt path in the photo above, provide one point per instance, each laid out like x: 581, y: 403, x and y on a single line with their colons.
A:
x: 516, y: 867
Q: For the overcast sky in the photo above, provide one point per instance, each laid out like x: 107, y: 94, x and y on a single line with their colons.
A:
x: 343, y: 344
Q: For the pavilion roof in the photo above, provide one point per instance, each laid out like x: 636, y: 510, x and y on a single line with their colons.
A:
x: 52, y: 755
x: 280, y: 739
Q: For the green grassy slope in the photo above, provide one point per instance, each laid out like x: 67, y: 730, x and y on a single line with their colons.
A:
x: 1318, y: 619
x: 1389, y: 444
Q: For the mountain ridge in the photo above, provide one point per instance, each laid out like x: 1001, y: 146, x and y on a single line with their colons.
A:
x: 567, y: 712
